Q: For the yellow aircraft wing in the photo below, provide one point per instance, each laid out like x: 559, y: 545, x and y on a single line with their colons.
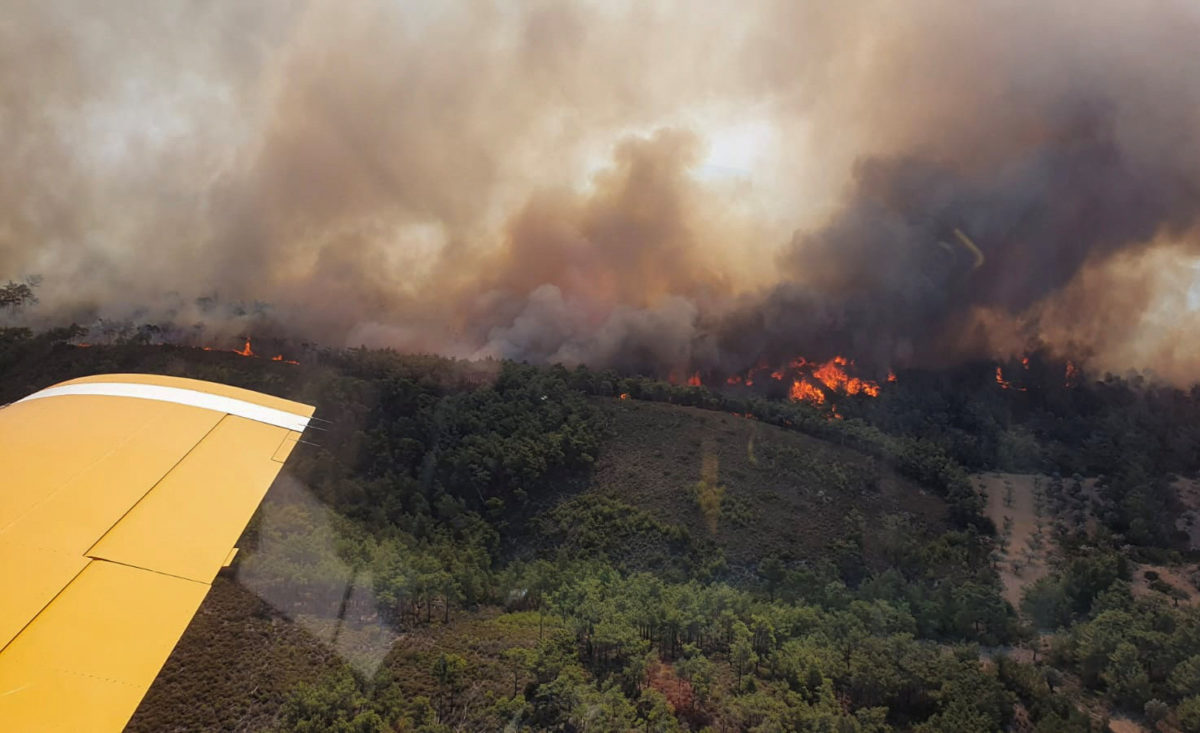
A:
x: 121, y: 496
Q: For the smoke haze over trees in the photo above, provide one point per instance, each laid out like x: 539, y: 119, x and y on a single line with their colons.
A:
x: 645, y: 186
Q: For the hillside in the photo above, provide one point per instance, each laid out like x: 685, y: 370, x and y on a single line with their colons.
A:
x: 784, y: 495
x: 488, y: 545
x: 754, y: 489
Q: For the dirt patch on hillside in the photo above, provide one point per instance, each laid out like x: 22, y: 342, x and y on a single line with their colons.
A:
x: 1125, y: 725
x: 1177, y: 583
x: 1016, y: 505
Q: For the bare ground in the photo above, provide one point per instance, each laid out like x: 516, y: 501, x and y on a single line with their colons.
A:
x: 1125, y: 725
x: 1181, y: 577
x: 1023, y: 524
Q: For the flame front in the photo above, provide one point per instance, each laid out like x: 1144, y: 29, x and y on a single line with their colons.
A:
x: 802, y: 389
x: 814, y: 382
x: 246, y: 351
x: 1000, y: 380
x: 834, y: 376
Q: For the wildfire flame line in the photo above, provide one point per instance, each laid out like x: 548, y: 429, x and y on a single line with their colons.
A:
x: 814, y: 382
x: 245, y: 351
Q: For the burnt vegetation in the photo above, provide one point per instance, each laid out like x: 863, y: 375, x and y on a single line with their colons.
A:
x: 545, y: 555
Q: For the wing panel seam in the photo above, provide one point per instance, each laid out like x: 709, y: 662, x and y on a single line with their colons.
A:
x: 153, y: 486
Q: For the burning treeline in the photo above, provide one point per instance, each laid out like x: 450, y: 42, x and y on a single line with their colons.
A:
x: 655, y: 187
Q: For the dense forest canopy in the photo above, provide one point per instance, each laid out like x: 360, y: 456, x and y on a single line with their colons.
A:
x: 529, y: 570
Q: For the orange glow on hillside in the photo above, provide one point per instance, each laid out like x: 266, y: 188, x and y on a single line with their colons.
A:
x: 694, y: 380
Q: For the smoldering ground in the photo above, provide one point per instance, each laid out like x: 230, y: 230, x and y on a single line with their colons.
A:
x: 925, y: 181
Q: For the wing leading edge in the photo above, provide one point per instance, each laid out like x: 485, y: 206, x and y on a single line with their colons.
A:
x: 122, y: 497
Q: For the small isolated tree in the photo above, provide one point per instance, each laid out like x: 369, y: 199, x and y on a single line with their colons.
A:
x: 1156, y: 710
x: 1185, y: 678
x: 448, y: 669
x: 1126, y: 678
x: 696, y: 669
x: 336, y: 705
x: 771, y: 570
x: 14, y: 295
x: 1047, y: 604
x: 1188, y: 714
x: 519, y: 659
x: 741, y: 651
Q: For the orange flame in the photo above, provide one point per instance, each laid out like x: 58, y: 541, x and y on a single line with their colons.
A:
x: 1025, y: 362
x: 803, y: 390
x: 891, y: 376
x: 833, y: 376
x: 814, y: 382
x: 624, y: 395
x: 246, y: 351
x: 1071, y: 378
x: 694, y: 380
x: 1004, y: 383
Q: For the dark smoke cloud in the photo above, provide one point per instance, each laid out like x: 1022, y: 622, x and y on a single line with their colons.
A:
x: 532, y: 180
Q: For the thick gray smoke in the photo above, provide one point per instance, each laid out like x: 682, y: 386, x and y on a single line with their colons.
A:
x: 655, y: 186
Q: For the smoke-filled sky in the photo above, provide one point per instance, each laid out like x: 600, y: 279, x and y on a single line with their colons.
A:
x: 647, y: 185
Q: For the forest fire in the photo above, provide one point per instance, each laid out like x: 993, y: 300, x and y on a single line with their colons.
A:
x: 812, y: 381
x: 1004, y: 383
x: 1071, y: 376
x: 1000, y: 380
x: 803, y: 390
x: 833, y: 376
x: 245, y: 351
